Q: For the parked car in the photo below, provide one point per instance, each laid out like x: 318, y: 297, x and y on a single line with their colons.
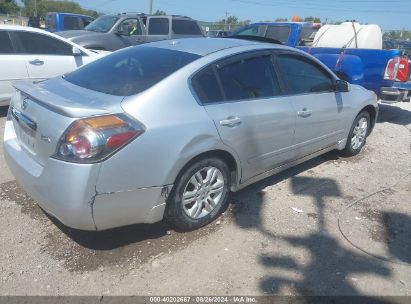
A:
x: 113, y: 32
x: 57, y: 22
x: 169, y: 129
x: 218, y: 33
x: 34, y: 54
x: 386, y: 72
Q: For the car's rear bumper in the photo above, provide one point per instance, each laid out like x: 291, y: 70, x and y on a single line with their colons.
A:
x: 67, y: 191
x: 398, y: 92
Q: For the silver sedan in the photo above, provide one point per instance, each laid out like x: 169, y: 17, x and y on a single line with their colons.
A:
x: 168, y: 129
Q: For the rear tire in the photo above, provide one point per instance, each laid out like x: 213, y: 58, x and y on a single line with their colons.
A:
x: 199, y: 195
x: 358, y: 134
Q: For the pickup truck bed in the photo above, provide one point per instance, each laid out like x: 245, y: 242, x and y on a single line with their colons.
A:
x: 364, y: 67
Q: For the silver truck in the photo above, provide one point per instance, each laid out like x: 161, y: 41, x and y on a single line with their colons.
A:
x: 113, y: 32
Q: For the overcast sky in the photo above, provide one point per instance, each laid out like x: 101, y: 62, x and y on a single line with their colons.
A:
x: 389, y: 14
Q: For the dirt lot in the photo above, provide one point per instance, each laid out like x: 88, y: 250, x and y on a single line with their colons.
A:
x: 348, y: 234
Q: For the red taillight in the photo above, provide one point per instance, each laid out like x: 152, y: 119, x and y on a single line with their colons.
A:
x: 93, y: 139
x: 81, y: 147
x: 118, y: 140
x: 397, y: 69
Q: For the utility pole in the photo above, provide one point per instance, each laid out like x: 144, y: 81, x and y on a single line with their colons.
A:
x: 150, y: 7
x: 35, y: 8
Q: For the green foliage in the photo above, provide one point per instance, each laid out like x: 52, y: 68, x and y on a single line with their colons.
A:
x: 45, y: 6
x: 281, y: 20
x: 8, y: 7
x: 232, y: 20
x: 398, y: 35
x: 160, y: 13
x: 312, y: 19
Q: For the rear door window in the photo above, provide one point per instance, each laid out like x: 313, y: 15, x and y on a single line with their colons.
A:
x: 302, y: 75
x: 5, y: 43
x: 280, y: 33
x: 158, y: 26
x: 185, y: 27
x: 39, y: 44
x: 206, y: 86
x: 250, y: 78
x: 130, y: 71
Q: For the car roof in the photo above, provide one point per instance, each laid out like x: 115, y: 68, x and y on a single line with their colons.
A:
x: 205, y: 46
x: 40, y: 31
x: 132, y: 14
x: 69, y: 14
x: 22, y: 28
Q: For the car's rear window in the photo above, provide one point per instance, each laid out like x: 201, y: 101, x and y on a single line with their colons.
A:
x: 130, y: 71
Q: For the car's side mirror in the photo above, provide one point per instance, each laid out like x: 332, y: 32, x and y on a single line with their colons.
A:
x: 341, y: 85
x: 76, y: 51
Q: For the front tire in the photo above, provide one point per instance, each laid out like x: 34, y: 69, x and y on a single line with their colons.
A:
x: 200, y: 194
x: 358, y: 134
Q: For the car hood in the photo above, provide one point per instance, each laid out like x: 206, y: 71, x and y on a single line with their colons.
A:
x: 77, y: 33
x: 70, y: 100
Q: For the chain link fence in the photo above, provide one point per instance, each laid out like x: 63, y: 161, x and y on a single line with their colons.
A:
x: 13, y: 19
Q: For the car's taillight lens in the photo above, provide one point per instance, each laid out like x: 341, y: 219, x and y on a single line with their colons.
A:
x: 93, y: 139
x: 397, y: 69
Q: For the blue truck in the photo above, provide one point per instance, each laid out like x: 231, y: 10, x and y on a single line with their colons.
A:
x: 57, y: 22
x: 386, y: 72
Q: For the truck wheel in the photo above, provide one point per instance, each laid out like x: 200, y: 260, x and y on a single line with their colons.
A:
x: 200, y: 194
x: 358, y: 134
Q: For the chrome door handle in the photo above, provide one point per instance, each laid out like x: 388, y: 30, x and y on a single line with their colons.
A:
x: 304, y: 113
x: 231, y: 121
x: 36, y: 62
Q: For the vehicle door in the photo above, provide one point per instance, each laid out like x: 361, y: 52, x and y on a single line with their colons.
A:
x: 131, y: 32
x: 319, y: 109
x: 45, y: 56
x: 158, y: 28
x: 12, y: 67
x: 244, y: 98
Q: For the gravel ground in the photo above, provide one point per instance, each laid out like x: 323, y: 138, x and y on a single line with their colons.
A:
x: 331, y: 226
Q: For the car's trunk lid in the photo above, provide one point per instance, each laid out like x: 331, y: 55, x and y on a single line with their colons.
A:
x: 42, y: 112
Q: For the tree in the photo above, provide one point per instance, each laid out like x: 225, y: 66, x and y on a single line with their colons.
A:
x: 8, y: 7
x: 312, y: 19
x: 281, y: 20
x: 45, y: 6
x: 160, y: 13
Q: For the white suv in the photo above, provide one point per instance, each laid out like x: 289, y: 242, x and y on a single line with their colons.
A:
x: 30, y: 53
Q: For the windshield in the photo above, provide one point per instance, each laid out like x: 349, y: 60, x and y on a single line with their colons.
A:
x: 130, y: 71
x: 102, y: 24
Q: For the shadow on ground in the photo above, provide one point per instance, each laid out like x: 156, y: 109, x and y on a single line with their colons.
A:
x: 331, y: 268
x: 87, y: 250
x: 397, y: 235
x: 393, y: 114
